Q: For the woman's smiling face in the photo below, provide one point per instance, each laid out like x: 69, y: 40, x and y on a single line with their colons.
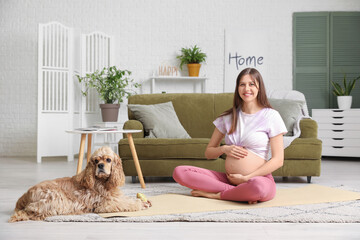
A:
x: 248, y: 89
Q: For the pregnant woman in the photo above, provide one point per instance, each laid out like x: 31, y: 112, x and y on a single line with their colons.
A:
x: 252, y: 130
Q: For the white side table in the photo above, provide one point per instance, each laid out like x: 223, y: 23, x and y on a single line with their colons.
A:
x: 108, y: 139
x: 89, y: 135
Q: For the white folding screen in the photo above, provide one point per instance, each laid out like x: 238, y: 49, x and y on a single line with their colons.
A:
x: 96, y: 53
x: 62, y: 54
x: 55, y: 90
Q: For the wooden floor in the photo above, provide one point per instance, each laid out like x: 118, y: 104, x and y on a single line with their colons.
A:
x: 18, y: 174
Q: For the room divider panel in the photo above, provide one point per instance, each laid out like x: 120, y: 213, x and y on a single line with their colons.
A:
x: 97, y: 53
x: 62, y: 54
x: 55, y: 104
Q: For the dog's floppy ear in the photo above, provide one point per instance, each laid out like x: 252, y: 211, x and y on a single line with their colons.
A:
x: 117, y: 176
x: 88, y: 176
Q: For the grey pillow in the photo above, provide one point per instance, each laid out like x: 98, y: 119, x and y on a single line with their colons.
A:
x: 159, y: 120
x: 290, y: 111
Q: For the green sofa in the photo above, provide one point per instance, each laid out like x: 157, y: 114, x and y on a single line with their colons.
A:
x: 196, y: 112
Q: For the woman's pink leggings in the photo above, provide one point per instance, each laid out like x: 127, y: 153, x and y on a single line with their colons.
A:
x: 261, y: 188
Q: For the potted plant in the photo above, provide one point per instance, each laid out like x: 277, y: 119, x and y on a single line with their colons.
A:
x: 343, y: 92
x: 192, y: 57
x: 111, y: 84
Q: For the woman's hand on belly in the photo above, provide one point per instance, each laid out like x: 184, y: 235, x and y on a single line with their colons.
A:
x: 235, y: 151
x: 237, y: 178
x: 243, y: 166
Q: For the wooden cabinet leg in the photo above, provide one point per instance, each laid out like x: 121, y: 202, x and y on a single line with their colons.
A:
x: 81, y: 153
x: 136, y: 160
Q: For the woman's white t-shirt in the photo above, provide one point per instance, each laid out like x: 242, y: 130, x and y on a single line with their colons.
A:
x: 253, y: 131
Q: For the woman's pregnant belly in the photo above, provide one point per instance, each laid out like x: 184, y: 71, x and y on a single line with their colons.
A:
x: 244, y: 165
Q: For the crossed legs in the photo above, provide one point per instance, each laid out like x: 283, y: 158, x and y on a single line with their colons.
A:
x: 212, y: 184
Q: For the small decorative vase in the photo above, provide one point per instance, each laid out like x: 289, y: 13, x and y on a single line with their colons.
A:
x: 194, y: 69
x: 344, y: 102
x: 109, y: 112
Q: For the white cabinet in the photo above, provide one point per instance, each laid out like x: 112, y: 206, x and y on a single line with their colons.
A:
x: 195, y: 80
x: 339, y: 131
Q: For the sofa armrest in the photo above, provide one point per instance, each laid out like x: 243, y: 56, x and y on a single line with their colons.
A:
x: 134, y: 124
x: 309, y: 128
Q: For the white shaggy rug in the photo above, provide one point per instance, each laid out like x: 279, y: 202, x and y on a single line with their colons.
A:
x: 335, y: 212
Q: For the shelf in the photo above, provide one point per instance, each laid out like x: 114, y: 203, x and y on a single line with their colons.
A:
x: 202, y: 80
x: 179, y: 78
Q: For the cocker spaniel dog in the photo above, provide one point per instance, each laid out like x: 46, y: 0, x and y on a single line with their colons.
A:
x: 94, y: 190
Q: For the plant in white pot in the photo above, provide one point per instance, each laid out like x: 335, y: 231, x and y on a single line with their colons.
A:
x: 112, y: 85
x: 192, y: 57
x: 343, y: 92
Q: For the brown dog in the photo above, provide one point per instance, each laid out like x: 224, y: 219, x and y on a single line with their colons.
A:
x: 94, y: 190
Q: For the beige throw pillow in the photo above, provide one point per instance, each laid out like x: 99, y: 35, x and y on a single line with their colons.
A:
x: 159, y: 120
x: 290, y: 111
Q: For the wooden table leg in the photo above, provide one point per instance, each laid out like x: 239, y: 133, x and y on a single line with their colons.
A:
x: 89, y: 148
x: 81, y: 153
x: 136, y: 160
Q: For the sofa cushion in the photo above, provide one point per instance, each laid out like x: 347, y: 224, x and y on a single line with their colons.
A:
x: 165, y: 167
x: 296, y: 167
x: 222, y: 102
x: 290, y: 111
x: 194, y: 110
x: 288, y: 94
x: 304, y: 148
x: 159, y: 148
x: 159, y: 120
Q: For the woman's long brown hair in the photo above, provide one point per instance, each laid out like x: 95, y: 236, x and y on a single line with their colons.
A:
x: 238, y: 102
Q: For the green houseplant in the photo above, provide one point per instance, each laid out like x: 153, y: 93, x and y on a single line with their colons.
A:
x: 192, y: 56
x: 112, y: 85
x: 343, y: 92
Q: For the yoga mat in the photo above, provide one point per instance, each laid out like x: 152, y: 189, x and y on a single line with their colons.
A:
x: 177, y: 203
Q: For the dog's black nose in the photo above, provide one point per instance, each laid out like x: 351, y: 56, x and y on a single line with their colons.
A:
x: 101, y: 165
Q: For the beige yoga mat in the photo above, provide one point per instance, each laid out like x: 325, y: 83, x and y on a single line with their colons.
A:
x: 177, y: 203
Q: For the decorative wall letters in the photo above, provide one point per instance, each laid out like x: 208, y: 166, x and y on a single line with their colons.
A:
x: 244, y: 49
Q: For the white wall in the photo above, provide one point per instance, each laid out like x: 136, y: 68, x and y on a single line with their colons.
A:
x: 147, y: 33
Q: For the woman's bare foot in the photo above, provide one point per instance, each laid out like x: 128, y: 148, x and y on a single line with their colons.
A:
x: 199, y: 193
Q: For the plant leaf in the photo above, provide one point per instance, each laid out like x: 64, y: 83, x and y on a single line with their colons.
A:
x: 191, y: 55
x: 344, y: 84
x: 338, y: 91
x: 110, y: 83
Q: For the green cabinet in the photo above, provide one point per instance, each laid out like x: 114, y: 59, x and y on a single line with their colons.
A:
x: 325, y: 46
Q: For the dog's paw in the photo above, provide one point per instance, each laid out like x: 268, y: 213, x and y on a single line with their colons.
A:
x: 146, y: 204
